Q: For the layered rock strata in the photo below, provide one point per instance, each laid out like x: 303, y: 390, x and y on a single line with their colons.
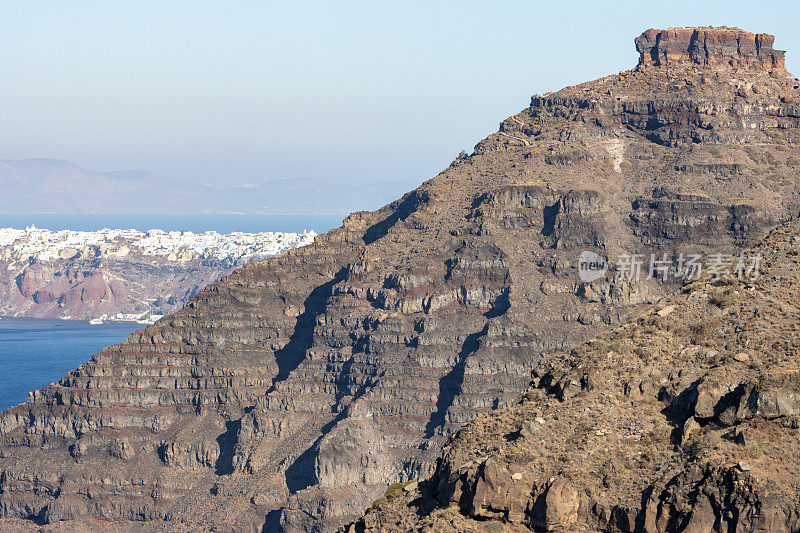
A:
x: 685, y: 418
x: 709, y: 47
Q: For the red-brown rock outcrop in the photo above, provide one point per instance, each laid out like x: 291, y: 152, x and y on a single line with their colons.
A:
x: 709, y: 47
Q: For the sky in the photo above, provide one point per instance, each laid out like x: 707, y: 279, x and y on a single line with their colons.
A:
x: 240, y: 92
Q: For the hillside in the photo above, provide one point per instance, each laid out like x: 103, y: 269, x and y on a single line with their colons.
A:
x: 292, y: 392
x: 685, y: 418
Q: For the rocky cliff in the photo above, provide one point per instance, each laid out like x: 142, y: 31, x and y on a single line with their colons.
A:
x: 685, y: 418
x: 292, y: 392
x: 709, y: 47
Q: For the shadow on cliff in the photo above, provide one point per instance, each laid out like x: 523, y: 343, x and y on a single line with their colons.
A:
x: 288, y: 359
x: 273, y: 522
x: 227, y: 446
x: 450, y: 384
x: 301, y: 474
x: 290, y: 356
x: 407, y: 205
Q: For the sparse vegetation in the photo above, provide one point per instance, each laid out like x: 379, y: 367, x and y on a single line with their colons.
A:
x: 380, y: 501
x: 724, y: 298
x: 393, y: 491
x: 701, y: 330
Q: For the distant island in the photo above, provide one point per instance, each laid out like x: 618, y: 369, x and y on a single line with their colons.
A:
x: 61, y: 187
x: 118, y: 274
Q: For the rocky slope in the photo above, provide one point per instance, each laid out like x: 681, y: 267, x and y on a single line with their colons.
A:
x: 292, y: 392
x: 685, y: 418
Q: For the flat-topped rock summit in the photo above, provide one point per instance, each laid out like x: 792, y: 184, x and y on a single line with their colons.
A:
x: 709, y: 46
x: 291, y: 393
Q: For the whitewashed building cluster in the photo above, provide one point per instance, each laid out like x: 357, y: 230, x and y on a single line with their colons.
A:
x: 47, y: 245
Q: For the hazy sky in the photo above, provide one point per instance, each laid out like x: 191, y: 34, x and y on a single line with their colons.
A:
x: 238, y: 92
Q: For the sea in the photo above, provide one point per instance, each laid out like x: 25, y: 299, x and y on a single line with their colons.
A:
x: 36, y: 352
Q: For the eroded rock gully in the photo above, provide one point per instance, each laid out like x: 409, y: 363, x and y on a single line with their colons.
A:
x: 292, y: 392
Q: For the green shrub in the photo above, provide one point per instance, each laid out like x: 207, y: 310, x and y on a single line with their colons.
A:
x: 395, y: 490
x: 380, y: 501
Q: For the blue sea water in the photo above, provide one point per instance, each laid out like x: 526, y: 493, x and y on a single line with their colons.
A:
x: 35, y: 352
x: 195, y: 223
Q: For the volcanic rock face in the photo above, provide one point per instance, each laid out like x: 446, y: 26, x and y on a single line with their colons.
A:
x: 683, y: 419
x: 292, y: 392
x: 709, y: 47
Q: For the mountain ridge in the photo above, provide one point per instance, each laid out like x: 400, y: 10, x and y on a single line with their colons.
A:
x: 41, y: 185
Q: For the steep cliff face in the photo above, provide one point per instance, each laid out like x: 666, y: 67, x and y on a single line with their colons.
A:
x: 685, y: 418
x: 709, y: 47
x: 81, y: 290
x: 292, y: 392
